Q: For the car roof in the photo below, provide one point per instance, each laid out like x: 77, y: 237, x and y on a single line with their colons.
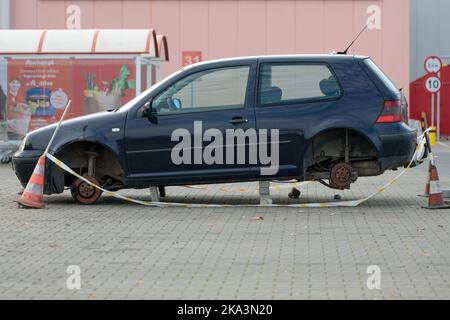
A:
x: 284, y: 57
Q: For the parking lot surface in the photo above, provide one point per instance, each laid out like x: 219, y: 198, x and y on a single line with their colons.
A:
x: 125, y: 250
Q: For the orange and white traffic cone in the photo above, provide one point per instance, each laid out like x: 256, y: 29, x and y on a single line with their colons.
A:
x: 427, y: 185
x: 33, y: 195
x: 435, y: 199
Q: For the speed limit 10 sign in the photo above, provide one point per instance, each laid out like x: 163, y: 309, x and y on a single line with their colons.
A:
x: 433, y: 84
x: 433, y: 64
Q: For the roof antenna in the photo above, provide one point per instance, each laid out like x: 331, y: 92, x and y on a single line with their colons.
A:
x: 354, y: 40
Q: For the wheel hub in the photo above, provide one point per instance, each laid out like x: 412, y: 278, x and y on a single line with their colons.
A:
x: 86, y: 190
x: 84, y: 193
x: 341, y: 175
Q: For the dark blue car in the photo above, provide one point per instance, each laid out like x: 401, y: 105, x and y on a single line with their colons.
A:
x: 331, y: 118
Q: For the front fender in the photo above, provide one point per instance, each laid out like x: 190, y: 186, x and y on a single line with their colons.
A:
x: 96, y: 128
x: 113, y: 144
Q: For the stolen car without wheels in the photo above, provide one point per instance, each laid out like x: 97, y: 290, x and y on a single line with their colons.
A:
x: 333, y: 118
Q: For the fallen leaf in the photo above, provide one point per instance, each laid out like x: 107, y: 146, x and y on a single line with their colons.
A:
x: 393, y: 296
x: 258, y: 218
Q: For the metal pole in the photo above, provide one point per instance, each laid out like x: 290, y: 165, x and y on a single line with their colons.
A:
x: 432, y: 109
x: 138, y: 76
x: 57, y: 127
x: 438, y: 112
x: 149, y: 70
x: 158, y: 72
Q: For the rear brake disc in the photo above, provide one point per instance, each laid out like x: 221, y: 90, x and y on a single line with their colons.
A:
x: 341, y: 175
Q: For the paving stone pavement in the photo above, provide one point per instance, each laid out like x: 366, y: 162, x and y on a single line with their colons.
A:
x: 126, y: 251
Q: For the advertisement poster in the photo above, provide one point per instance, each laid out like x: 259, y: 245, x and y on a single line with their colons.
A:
x: 103, y: 84
x: 37, y: 92
x: 39, y: 89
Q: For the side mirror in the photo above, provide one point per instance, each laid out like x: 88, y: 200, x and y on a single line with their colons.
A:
x: 147, y: 110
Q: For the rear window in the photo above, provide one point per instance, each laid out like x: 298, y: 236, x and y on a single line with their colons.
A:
x: 380, y: 74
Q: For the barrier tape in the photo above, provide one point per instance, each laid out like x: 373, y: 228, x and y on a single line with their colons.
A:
x: 351, y: 203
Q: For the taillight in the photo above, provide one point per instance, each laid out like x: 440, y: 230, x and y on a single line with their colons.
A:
x: 392, y: 112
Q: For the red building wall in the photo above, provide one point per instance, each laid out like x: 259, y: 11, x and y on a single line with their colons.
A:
x: 420, y: 100
x: 227, y: 28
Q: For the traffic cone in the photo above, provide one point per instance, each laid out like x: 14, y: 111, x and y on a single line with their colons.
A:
x: 427, y: 185
x: 435, y: 199
x: 33, y: 195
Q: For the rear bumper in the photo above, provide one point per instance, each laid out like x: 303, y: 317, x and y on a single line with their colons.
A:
x: 398, y: 143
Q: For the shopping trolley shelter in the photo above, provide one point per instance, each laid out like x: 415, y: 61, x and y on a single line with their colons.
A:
x: 339, y: 118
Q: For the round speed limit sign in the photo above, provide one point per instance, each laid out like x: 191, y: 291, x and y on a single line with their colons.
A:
x: 433, y: 64
x: 433, y: 84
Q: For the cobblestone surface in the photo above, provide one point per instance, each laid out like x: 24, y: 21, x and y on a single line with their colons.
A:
x: 129, y: 251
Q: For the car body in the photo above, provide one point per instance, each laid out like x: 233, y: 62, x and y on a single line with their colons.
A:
x: 337, y: 116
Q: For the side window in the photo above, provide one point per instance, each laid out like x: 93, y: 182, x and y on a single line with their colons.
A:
x: 214, y: 89
x: 296, y: 83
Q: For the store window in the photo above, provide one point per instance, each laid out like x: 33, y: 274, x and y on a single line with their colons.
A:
x: 296, y: 83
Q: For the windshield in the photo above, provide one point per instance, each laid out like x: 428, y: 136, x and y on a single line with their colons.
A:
x: 381, y: 75
x: 127, y: 106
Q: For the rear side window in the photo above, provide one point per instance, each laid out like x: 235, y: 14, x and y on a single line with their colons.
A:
x: 281, y: 84
x: 381, y: 75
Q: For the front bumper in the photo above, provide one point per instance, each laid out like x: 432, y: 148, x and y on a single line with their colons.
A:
x: 23, y: 167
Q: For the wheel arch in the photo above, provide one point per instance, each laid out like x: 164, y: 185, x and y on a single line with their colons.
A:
x: 108, y: 162
x: 309, y: 152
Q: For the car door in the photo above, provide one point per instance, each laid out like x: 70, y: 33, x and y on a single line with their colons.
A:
x: 169, y: 145
x: 292, y: 96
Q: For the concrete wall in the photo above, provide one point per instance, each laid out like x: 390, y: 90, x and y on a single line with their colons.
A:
x: 430, y: 33
x: 225, y: 28
x: 5, y: 14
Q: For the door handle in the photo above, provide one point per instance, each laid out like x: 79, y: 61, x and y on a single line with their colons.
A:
x: 238, y: 120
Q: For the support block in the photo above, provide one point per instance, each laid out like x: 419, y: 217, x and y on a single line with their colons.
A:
x: 154, y: 195
x: 264, y: 192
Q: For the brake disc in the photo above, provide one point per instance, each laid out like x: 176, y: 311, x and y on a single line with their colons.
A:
x: 341, y: 175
